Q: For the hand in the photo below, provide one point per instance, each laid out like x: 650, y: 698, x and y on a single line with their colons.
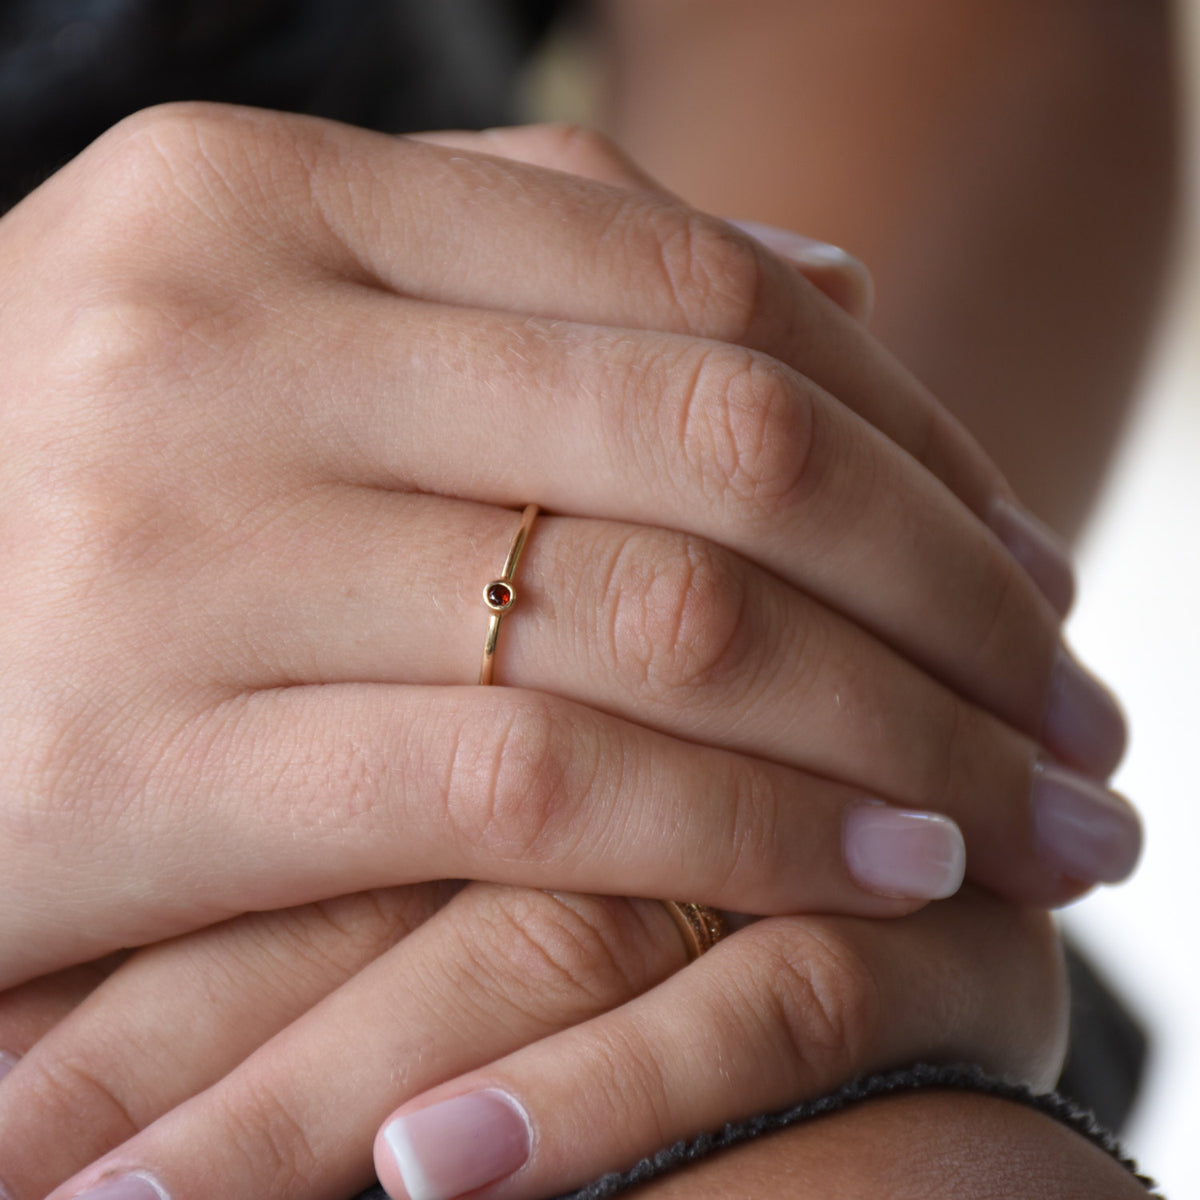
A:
x: 27, y: 1072
x: 250, y: 345
x: 574, y: 1007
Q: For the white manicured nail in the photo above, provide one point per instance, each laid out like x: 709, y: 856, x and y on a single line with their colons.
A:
x: 1082, y: 828
x: 136, y: 1186
x: 896, y: 852
x: 459, y: 1145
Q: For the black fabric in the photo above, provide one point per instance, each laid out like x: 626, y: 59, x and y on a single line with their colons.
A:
x: 1107, y: 1056
x: 69, y: 69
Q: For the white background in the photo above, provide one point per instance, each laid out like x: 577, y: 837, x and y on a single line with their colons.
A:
x: 1138, y: 625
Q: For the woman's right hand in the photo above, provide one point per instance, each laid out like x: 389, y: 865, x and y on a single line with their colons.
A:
x: 272, y: 386
x: 258, y: 1058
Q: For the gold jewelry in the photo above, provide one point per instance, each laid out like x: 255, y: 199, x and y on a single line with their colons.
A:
x: 700, y: 926
x: 500, y: 595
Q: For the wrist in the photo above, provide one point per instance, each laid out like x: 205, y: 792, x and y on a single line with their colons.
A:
x: 927, y: 1143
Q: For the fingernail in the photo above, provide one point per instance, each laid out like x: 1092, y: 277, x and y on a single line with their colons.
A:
x: 858, y: 290
x: 1081, y: 828
x: 1038, y: 549
x: 458, y: 1145
x: 894, y: 852
x: 1084, y: 725
x: 137, y: 1186
x: 7, y: 1062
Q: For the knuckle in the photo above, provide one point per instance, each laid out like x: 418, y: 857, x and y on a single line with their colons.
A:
x: 150, y: 155
x: 69, y: 1085
x: 167, y: 175
x: 267, y: 1136
x: 1044, y: 1000
x: 950, y: 761
x: 677, y: 616
x: 68, y: 790
x: 127, y: 337
x: 713, y: 276
x: 629, y: 1083
x: 579, y: 148
x: 371, y: 921
x: 336, y: 937
x: 569, y: 952
x: 101, y: 530
x: 749, y: 845
x: 748, y: 432
x: 1010, y: 635
x: 820, y: 997
x: 511, y: 781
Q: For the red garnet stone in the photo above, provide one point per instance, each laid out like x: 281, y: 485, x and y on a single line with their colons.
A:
x: 499, y: 595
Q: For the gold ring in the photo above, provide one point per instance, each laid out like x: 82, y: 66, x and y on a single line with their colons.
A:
x: 500, y: 595
x: 700, y: 926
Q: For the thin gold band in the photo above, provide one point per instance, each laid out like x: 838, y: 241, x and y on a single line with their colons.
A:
x: 500, y: 595
x: 701, y: 927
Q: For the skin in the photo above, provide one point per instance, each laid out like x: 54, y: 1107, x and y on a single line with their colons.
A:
x: 917, y: 1147
x: 763, y: 1156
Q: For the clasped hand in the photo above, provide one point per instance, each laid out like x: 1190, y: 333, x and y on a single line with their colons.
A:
x: 786, y: 645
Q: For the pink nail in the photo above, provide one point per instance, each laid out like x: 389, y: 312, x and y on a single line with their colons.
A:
x: 458, y: 1145
x: 1081, y: 828
x: 7, y: 1062
x: 895, y: 852
x: 137, y: 1186
x: 1084, y: 725
x: 1038, y: 549
x: 857, y: 294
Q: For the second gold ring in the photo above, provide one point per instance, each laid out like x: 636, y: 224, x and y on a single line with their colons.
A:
x: 700, y: 926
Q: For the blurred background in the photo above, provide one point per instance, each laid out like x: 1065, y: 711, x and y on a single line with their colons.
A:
x: 1138, y: 625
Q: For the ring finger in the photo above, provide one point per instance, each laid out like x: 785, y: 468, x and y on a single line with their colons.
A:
x: 668, y: 631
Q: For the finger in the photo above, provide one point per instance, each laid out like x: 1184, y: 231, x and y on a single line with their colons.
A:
x: 784, y: 1011
x: 178, y: 1017
x: 672, y: 633
x: 575, y: 149
x: 494, y: 969
x: 385, y: 785
x: 582, y: 151
x: 709, y: 439
x: 661, y: 266
x: 29, y: 1012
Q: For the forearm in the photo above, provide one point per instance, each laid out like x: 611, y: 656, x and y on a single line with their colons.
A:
x: 920, y: 1145
x: 1005, y: 167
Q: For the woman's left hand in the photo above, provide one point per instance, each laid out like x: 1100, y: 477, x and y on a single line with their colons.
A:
x: 256, y: 1058
x: 248, y: 509
x: 215, y: 1111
